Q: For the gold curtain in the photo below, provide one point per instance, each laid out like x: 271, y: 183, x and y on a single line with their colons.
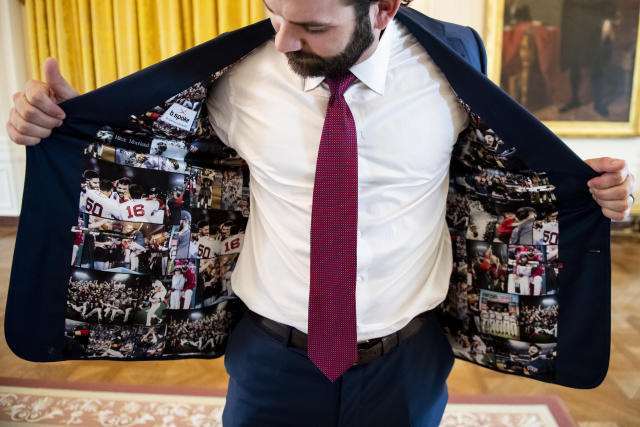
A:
x: 99, y: 41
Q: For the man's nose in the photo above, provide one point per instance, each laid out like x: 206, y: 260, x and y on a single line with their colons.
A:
x: 287, y: 39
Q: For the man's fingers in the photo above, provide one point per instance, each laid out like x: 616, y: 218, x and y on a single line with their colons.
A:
x: 25, y: 128
x: 616, y: 215
x: 33, y: 114
x: 619, y: 206
x: 618, y: 192
x: 61, y: 89
x: 20, y: 139
x: 606, y: 164
x: 39, y: 95
x: 609, y: 179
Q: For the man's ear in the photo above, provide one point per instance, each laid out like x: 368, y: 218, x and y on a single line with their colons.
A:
x: 384, y: 11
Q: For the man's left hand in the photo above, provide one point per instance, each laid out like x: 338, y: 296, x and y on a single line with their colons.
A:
x: 613, y: 189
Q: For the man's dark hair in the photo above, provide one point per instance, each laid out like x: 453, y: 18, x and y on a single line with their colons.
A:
x: 106, y: 185
x: 363, y: 3
x: 90, y: 174
x: 136, y: 191
x: 362, y: 6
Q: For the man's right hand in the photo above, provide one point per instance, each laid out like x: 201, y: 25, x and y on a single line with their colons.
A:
x: 36, y: 111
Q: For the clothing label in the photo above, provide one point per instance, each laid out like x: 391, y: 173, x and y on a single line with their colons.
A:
x: 179, y: 116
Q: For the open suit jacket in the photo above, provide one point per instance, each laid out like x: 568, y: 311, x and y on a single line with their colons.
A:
x: 542, y: 278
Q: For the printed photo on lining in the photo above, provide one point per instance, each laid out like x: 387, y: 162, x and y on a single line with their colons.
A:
x: 212, y: 152
x: 85, y: 340
x: 132, y: 158
x: 106, y: 140
x: 216, y: 232
x: 118, y: 246
x: 473, y: 347
x: 551, y: 273
x: 459, y: 243
x: 100, y: 297
x: 538, y: 319
x: 482, y: 221
x: 128, y: 194
x: 227, y: 265
x: 184, y: 280
x: 178, y: 204
x: 546, y: 229
x: 234, y: 195
x: 153, y: 301
x: 463, y: 304
x: 191, y: 332
x: 460, y: 273
x: 482, y: 145
x: 210, y: 281
x: 206, y: 185
x: 150, y: 341
x: 171, y: 148
x: 489, y: 265
x: 96, y: 149
x: 515, y: 226
x: 499, y: 314
x: 76, y: 334
x: 111, y: 341
x: 137, y: 160
x: 526, y: 358
x: 506, y: 187
x: 181, y: 237
x: 458, y: 211
x: 527, y: 270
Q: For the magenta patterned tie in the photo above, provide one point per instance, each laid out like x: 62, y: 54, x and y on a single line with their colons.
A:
x: 332, y: 343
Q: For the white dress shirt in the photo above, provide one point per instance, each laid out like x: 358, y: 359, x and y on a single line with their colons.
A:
x: 407, y: 119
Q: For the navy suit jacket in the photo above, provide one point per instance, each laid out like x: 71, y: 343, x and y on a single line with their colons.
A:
x: 576, y: 288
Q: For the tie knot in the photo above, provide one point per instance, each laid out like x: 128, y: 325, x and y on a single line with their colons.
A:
x: 338, y: 86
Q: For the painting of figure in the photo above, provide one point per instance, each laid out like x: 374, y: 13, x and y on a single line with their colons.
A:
x: 572, y: 63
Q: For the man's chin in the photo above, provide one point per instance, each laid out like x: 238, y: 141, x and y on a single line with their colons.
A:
x: 306, y: 67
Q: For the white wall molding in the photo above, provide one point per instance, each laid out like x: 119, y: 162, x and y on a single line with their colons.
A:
x: 464, y: 12
x: 13, y: 68
x: 8, y: 195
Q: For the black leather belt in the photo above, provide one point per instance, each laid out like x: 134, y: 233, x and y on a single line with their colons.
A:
x: 368, y: 350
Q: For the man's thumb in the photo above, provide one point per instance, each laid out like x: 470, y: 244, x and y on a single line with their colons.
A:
x: 62, y: 90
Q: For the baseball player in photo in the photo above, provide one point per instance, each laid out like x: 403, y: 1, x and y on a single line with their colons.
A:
x: 159, y: 293
x: 208, y: 246
x: 522, y: 273
x: 177, y: 285
x: 139, y: 209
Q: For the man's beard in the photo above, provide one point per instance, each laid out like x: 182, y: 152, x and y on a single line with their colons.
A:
x: 311, y: 65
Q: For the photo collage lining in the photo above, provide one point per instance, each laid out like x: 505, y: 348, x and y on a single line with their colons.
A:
x: 502, y: 307
x: 163, y: 210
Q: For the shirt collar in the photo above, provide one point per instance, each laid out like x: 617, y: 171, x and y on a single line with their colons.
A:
x: 373, y: 71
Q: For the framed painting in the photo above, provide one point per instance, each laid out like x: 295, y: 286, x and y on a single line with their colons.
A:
x: 575, y: 64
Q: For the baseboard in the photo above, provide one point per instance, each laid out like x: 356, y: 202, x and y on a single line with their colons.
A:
x: 9, y: 221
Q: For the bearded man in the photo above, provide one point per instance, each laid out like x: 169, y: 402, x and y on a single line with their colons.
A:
x: 337, y: 73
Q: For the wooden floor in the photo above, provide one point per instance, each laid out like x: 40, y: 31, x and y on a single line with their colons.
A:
x: 615, y: 403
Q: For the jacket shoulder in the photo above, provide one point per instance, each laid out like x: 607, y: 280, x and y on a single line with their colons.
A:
x: 465, y: 41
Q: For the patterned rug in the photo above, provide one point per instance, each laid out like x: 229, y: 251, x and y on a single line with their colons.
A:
x: 43, y: 403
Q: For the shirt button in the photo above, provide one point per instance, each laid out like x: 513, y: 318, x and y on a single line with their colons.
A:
x: 359, y: 279
x: 359, y: 234
x: 362, y: 134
